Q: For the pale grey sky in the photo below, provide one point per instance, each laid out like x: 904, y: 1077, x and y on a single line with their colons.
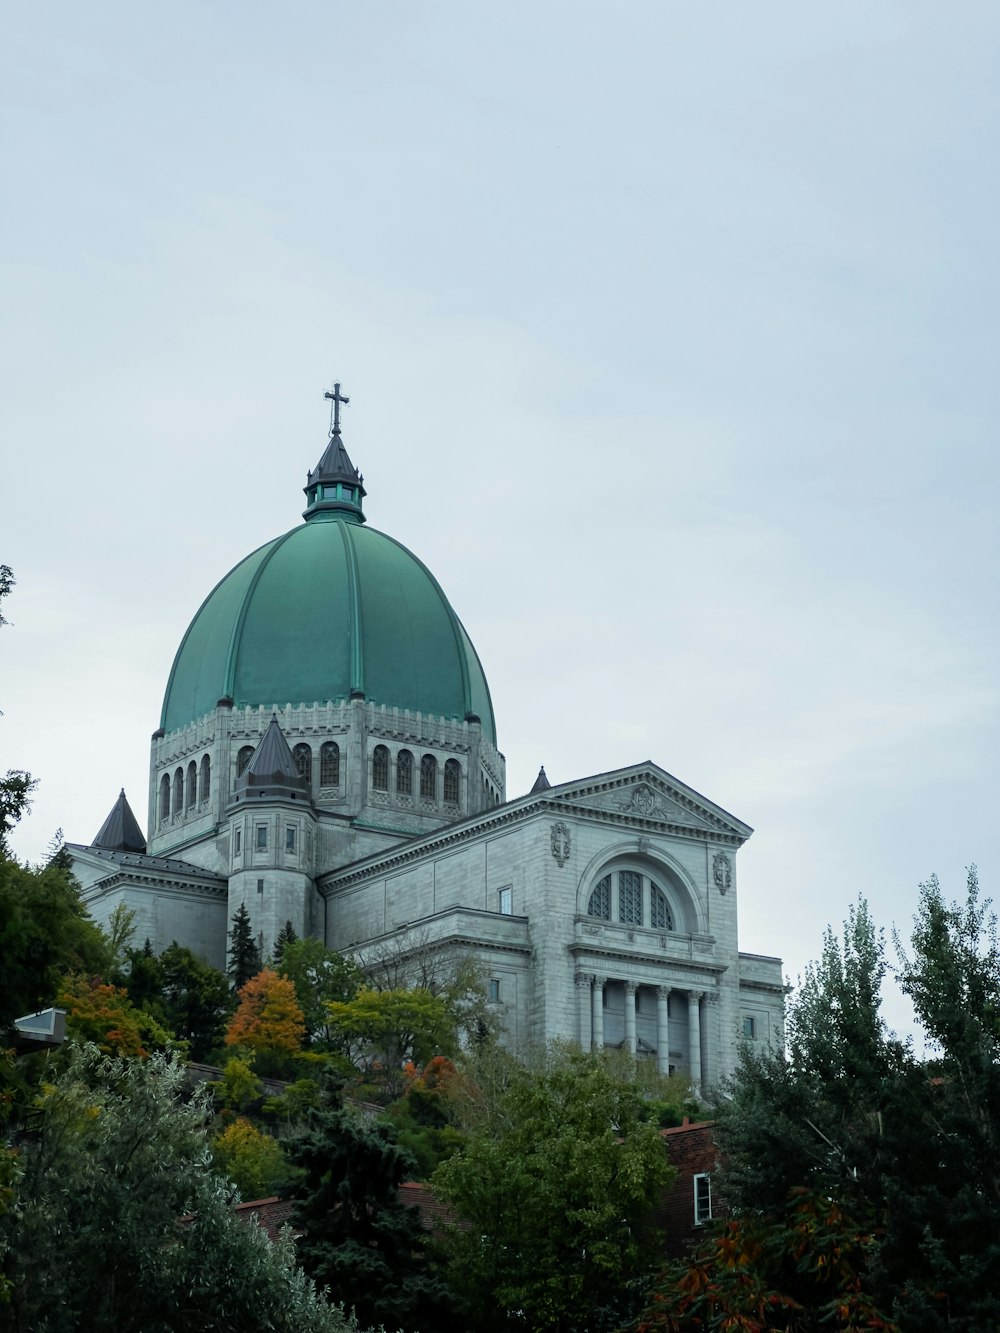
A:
x: 670, y: 333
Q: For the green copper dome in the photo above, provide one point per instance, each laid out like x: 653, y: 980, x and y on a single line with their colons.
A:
x: 329, y: 611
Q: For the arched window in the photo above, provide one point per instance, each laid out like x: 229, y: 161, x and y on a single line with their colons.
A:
x: 630, y: 897
x: 452, y: 772
x: 164, y: 797
x: 660, y: 915
x: 404, y: 773
x: 192, y: 785
x: 600, y: 899
x: 178, y: 802
x: 243, y: 760
x: 206, y: 778
x: 329, y: 764
x: 428, y: 777
x: 303, y: 757
x: 380, y: 769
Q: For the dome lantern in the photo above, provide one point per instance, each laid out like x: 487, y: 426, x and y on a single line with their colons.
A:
x: 336, y: 487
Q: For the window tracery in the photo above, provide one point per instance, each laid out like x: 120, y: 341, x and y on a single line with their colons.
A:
x: 380, y: 768
x: 192, y: 785
x: 452, y: 771
x: 303, y: 758
x: 428, y: 777
x: 660, y: 915
x: 165, y: 797
x: 177, y: 805
x: 630, y: 897
x: 329, y: 764
x: 600, y: 900
x: 404, y: 773
x: 206, y: 777
x: 243, y: 760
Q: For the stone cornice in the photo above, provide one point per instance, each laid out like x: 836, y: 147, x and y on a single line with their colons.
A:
x: 161, y: 881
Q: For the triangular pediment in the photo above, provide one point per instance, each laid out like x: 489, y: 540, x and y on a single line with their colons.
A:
x: 651, y: 795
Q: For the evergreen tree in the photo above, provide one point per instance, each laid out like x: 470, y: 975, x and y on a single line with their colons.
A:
x: 356, y: 1237
x: 286, y: 936
x: 244, y: 955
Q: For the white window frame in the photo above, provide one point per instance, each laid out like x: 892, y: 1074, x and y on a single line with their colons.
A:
x: 495, y: 990
x: 702, y: 1183
x: 505, y: 900
x: 749, y: 1027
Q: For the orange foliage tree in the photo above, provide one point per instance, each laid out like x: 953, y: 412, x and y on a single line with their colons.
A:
x: 268, y: 1021
x: 103, y: 1014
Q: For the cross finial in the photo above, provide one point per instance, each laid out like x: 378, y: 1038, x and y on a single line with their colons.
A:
x: 336, y: 398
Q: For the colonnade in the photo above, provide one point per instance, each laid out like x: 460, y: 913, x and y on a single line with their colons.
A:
x: 590, y: 997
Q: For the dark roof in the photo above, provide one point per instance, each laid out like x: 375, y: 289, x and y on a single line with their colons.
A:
x: 272, y: 764
x: 142, y: 861
x: 335, y: 465
x: 270, y: 1214
x: 120, y: 832
x: 541, y: 782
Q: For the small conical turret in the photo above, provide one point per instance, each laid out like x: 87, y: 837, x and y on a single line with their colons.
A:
x: 120, y: 832
x: 541, y: 783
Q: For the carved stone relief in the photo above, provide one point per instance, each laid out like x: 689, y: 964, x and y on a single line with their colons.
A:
x: 560, y: 843
x: 722, y: 871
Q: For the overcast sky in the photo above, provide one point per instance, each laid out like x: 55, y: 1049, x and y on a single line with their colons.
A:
x: 670, y: 333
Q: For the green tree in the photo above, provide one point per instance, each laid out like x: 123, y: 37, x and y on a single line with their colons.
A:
x: 121, y: 1226
x: 251, y: 1159
x: 45, y: 933
x: 320, y: 976
x: 286, y: 936
x: 555, y: 1192
x: 356, y: 1237
x: 195, y: 1000
x: 379, y: 1030
x: 244, y: 955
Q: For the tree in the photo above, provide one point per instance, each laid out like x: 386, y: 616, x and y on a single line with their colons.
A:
x: 907, y: 1148
x: 286, y: 936
x: 121, y: 1226
x: 45, y: 933
x: 103, y: 1014
x: 252, y: 1160
x: 356, y: 1237
x: 556, y: 1192
x: 244, y: 955
x: 16, y: 787
x: 378, y: 1030
x: 195, y: 999
x: 320, y: 975
x: 268, y: 1021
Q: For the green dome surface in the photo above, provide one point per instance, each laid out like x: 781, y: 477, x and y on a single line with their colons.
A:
x: 332, y: 608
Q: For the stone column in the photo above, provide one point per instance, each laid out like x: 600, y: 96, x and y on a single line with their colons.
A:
x: 663, y: 1029
x: 597, y: 1009
x: 694, y: 1036
x: 630, y: 989
x: 582, y: 980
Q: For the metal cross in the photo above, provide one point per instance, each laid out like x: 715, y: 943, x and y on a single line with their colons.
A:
x: 336, y: 398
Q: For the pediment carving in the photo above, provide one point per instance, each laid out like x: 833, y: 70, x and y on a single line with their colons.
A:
x: 644, y: 801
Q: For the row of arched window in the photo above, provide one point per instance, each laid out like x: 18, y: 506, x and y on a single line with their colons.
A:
x: 427, y: 775
x: 329, y: 762
x: 186, y: 789
x: 632, y: 895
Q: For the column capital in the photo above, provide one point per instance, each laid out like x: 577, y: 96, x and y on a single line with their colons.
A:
x: 663, y: 992
x: 696, y: 995
x: 631, y: 987
x: 600, y: 981
x: 583, y: 979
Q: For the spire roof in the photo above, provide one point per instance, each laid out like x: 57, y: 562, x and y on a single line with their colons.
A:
x: 120, y: 832
x: 272, y: 770
x: 335, y: 488
x: 541, y: 782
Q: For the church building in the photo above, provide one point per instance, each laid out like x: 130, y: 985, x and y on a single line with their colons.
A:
x: 327, y: 755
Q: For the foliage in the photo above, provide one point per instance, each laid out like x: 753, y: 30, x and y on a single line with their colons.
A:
x: 45, y: 932
x: 103, y: 1014
x: 320, y: 976
x: 357, y: 1238
x: 556, y: 1190
x: 804, y: 1272
x: 119, y: 933
x: 378, y: 1030
x: 293, y: 1103
x: 121, y: 1226
x: 460, y: 983
x: 852, y: 1116
x: 244, y: 952
x: 195, y: 999
x: 252, y: 1160
x: 239, y: 1089
x: 268, y: 1021
x: 16, y: 786
x: 422, y: 1117
x: 286, y: 936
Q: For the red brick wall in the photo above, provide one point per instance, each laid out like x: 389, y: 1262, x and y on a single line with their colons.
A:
x: 692, y: 1151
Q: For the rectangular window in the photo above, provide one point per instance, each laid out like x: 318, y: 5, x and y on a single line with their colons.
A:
x: 494, y: 990
x: 260, y: 886
x: 702, y: 1200
x: 237, y: 842
x: 506, y: 901
x: 749, y: 1027
x: 290, y: 838
x: 262, y: 837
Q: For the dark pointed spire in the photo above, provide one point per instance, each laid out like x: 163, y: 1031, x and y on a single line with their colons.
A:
x: 336, y: 487
x: 120, y: 832
x: 272, y: 764
x: 541, y: 782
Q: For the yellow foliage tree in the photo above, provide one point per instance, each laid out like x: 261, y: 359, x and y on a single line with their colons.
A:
x: 269, y: 1022
x: 252, y: 1160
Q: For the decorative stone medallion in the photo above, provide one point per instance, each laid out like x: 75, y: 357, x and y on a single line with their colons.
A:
x: 560, y: 843
x: 722, y: 871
